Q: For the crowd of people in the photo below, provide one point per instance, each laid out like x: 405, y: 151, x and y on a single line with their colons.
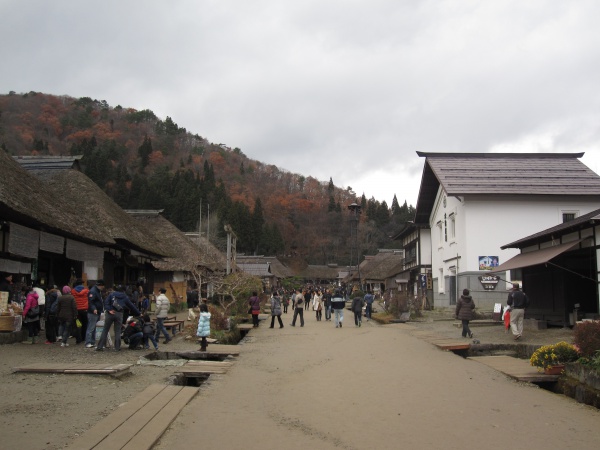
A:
x: 76, y: 312
x: 330, y: 300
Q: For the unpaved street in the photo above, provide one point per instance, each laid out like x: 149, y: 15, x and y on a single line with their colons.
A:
x: 374, y: 387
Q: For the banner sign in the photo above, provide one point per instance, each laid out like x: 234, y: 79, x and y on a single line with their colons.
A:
x: 488, y: 262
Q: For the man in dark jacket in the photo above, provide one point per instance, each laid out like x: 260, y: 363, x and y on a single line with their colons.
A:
x: 518, y: 301
x: 114, y: 305
x: 338, y: 304
x: 369, y: 299
x: 95, y: 308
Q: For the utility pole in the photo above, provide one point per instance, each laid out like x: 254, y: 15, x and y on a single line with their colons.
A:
x: 355, y: 210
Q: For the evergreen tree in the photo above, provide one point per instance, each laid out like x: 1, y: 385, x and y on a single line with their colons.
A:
x: 332, y: 204
x: 144, y: 151
x: 330, y: 187
x: 395, y: 206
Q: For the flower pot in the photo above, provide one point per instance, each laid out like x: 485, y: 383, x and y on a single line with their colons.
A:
x: 554, y: 370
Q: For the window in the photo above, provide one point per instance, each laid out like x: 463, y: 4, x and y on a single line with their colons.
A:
x: 452, y: 226
x: 566, y: 217
x: 440, y: 231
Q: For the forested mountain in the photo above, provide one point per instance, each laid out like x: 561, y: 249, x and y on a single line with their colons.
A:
x: 144, y: 162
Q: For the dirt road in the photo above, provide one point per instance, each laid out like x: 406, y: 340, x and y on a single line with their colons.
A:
x: 317, y: 387
x: 374, y: 387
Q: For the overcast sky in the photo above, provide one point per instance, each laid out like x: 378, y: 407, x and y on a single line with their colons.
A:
x: 344, y: 89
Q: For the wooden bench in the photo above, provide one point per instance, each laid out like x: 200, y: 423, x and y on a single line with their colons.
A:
x: 139, y: 423
x: 172, y: 323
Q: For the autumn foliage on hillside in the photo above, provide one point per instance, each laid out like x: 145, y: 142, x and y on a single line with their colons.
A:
x: 144, y: 162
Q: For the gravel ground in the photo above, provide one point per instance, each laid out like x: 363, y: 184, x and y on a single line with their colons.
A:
x: 47, y: 411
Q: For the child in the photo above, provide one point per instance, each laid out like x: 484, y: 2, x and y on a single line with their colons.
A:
x: 203, y: 326
x: 149, y: 331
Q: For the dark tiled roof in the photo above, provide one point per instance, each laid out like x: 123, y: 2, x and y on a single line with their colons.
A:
x: 556, y: 231
x: 46, y: 162
x: 277, y: 267
x: 503, y: 174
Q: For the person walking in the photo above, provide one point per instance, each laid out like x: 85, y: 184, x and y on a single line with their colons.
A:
x: 357, y: 306
x: 276, y: 310
x: 464, y: 312
x: 285, y: 301
x: 307, y: 298
x: 518, y: 302
x: 338, y: 304
x: 162, y: 311
x: 318, y: 305
x: 95, y: 308
x: 114, y: 305
x: 298, y: 308
x: 327, y: 304
x: 254, y: 303
x: 369, y: 299
x: 66, y: 313
x: 31, y: 315
x: 203, y: 326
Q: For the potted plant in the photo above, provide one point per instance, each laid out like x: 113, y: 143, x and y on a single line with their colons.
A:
x: 551, y: 359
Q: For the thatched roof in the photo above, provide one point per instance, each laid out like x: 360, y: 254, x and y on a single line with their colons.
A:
x: 383, y: 265
x: 257, y: 269
x: 92, y: 208
x: 187, y: 253
x: 277, y: 268
x: 26, y: 200
x: 379, y: 267
x: 322, y: 272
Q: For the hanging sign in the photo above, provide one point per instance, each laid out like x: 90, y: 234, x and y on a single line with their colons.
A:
x: 489, y: 282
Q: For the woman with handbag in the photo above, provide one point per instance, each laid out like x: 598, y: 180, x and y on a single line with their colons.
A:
x: 254, y: 309
x: 318, y: 305
x: 31, y: 315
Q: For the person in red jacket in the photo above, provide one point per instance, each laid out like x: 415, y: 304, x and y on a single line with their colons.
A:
x: 81, y: 293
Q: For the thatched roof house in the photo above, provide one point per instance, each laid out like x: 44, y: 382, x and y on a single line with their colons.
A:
x: 26, y: 200
x: 378, y: 272
x: 185, y: 252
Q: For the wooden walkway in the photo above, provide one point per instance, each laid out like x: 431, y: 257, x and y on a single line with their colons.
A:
x: 199, y: 368
x: 116, y: 370
x: 219, y: 350
x: 139, y: 423
x: 441, y: 342
x: 516, y: 368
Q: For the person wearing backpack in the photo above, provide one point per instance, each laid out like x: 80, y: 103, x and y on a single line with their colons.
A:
x: 114, y: 305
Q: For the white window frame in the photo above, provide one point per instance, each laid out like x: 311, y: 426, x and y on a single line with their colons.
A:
x: 441, y: 281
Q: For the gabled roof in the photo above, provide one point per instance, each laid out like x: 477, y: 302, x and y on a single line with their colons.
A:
x: 515, y: 174
x: 256, y: 269
x: 323, y: 272
x: 186, y: 253
x: 581, y: 222
x: 92, y: 208
x: 27, y: 200
x: 47, y: 162
x: 382, y: 265
x: 277, y: 268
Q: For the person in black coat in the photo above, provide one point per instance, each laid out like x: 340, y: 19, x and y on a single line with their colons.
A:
x: 464, y: 312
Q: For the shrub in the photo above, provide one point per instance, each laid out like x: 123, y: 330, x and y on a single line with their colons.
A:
x: 550, y: 355
x: 587, y: 338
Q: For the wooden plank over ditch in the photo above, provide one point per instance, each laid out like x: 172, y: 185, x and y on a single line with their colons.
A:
x: 90, y: 369
x: 519, y: 369
x: 219, y: 350
x: 441, y: 342
x: 192, y: 368
x: 139, y: 423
